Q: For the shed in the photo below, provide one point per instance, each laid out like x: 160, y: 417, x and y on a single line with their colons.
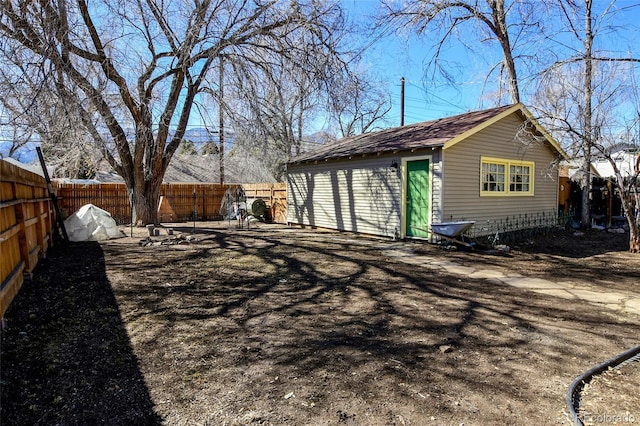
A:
x: 482, y: 165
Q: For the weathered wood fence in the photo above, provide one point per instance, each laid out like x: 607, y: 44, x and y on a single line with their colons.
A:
x: 27, y: 217
x: 180, y: 199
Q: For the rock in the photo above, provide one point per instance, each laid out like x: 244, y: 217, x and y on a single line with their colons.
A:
x: 502, y: 248
x: 616, y: 230
x: 146, y: 242
x: 289, y: 395
x: 446, y: 348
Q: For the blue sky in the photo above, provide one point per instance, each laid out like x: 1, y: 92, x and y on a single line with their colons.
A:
x: 404, y: 55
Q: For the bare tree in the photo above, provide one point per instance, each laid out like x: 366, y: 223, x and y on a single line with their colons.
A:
x: 628, y: 185
x: 34, y: 113
x: 506, y: 23
x: 14, y: 136
x: 581, y: 94
x: 271, y: 109
x: 15, y: 125
x: 268, y: 110
x: 356, y: 102
x: 135, y: 68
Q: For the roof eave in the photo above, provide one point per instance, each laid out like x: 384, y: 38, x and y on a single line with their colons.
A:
x: 516, y: 107
x: 361, y: 155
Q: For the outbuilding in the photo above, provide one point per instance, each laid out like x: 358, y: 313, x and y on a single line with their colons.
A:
x: 480, y: 166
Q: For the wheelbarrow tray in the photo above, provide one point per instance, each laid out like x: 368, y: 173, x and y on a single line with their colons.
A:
x: 451, y: 229
x: 452, y: 232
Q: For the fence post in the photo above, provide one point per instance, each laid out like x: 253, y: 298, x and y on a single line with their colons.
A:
x: 195, y: 213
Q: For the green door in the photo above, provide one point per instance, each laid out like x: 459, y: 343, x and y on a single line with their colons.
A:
x: 417, y: 198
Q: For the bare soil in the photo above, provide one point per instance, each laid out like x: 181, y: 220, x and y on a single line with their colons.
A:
x: 289, y: 326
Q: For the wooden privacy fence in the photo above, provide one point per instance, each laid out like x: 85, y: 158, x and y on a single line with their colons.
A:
x: 178, y: 200
x: 27, y: 217
x: 274, y: 194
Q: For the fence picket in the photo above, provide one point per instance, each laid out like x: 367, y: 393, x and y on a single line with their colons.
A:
x: 114, y: 198
x: 26, y: 227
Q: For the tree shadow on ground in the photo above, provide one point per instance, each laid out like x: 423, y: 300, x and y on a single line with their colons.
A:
x: 66, y: 355
x: 287, y: 327
x: 249, y: 317
x: 594, y: 257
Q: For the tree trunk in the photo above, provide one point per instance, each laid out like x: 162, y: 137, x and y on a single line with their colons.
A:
x: 146, y: 198
x: 589, y: 135
x: 634, y: 241
x: 502, y: 33
x: 634, y: 231
x: 585, y: 214
x: 629, y: 205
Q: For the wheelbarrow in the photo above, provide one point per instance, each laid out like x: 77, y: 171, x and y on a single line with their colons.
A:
x: 451, y: 232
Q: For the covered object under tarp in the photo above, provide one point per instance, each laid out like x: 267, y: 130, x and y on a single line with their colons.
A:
x: 91, y: 223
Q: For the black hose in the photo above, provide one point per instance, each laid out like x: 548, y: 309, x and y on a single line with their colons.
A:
x: 577, y: 385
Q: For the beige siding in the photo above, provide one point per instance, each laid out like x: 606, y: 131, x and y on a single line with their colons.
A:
x: 461, y: 175
x: 436, y: 187
x: 359, y: 195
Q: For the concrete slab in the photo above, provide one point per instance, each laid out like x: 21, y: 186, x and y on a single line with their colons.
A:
x: 632, y: 305
x: 437, y: 261
x: 556, y: 292
x: 567, y: 290
x: 486, y: 274
x: 459, y: 269
x: 567, y: 284
x: 415, y: 260
x: 514, y: 275
x: 598, y: 296
x: 531, y: 283
x: 397, y: 253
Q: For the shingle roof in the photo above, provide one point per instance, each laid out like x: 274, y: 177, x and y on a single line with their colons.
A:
x: 427, y: 134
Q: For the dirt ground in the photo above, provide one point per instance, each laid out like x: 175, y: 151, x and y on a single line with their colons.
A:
x: 290, y: 326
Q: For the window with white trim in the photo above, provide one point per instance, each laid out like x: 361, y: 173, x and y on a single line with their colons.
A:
x: 500, y: 176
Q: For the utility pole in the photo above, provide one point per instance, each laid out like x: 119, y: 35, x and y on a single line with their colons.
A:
x: 402, y: 101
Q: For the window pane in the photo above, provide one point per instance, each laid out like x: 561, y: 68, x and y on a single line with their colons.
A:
x: 494, y: 176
